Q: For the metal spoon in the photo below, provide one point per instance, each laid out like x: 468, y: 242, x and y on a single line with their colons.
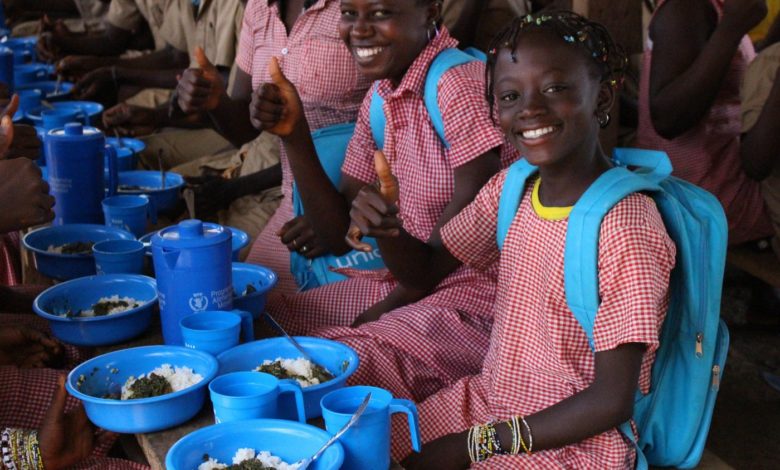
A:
x: 352, y: 420
x: 295, y: 343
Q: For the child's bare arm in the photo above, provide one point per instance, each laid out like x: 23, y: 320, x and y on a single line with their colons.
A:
x: 759, y: 145
x: 692, y: 53
x: 607, y: 403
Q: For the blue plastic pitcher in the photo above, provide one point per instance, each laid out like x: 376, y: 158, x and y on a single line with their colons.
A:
x: 367, y: 442
x: 7, y: 67
x: 75, y: 157
x: 192, y: 266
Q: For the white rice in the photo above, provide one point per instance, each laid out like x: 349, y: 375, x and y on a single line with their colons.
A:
x: 132, y: 303
x: 300, y: 366
x: 59, y: 248
x: 179, y: 378
x: 265, y: 458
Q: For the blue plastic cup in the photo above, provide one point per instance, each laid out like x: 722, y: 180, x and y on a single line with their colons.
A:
x: 58, y: 117
x: 367, y: 442
x: 7, y: 67
x: 216, y: 331
x: 29, y: 99
x: 248, y: 395
x: 129, y: 213
x: 119, y: 257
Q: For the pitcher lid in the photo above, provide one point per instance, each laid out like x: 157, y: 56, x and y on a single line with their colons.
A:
x: 191, y: 233
x: 75, y: 131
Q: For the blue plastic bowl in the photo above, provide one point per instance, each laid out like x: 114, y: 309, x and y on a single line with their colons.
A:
x: 261, y: 278
x: 341, y: 360
x: 288, y: 440
x: 48, y: 88
x: 164, y: 199
x: 107, y: 373
x: 127, y: 153
x: 69, y: 266
x: 90, y: 109
x: 240, y: 240
x: 82, y: 293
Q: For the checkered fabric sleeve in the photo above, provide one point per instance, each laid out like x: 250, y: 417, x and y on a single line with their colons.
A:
x: 470, y: 236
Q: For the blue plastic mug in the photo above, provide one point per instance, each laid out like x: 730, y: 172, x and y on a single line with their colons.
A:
x: 58, y: 117
x: 119, y: 257
x: 249, y: 395
x: 367, y: 442
x: 129, y: 213
x: 216, y: 331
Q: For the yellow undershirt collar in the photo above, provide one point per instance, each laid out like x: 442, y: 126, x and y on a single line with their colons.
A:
x: 547, y: 213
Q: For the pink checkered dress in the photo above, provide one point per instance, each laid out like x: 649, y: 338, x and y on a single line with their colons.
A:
x: 314, y: 58
x: 25, y: 395
x: 709, y: 155
x: 538, y: 353
x: 10, y: 259
x: 422, y: 347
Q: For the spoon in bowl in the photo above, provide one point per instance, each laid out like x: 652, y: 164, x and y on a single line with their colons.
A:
x: 352, y: 420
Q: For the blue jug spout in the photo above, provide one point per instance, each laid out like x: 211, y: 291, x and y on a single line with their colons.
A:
x: 170, y: 257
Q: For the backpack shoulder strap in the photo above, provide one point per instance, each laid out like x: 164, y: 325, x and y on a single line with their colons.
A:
x: 511, y: 193
x: 582, y: 240
x: 376, y: 117
x: 445, y: 60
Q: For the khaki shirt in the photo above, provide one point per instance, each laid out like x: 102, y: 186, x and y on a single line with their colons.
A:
x: 757, y: 83
x: 128, y: 15
x: 216, y: 26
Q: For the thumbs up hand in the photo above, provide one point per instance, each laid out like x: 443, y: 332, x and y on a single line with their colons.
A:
x: 276, y: 106
x: 201, y: 88
x: 374, y: 211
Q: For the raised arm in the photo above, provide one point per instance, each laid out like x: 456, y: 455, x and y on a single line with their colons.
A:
x: 692, y: 53
x: 759, y: 144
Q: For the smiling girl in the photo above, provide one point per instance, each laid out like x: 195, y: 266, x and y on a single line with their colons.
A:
x: 409, y: 342
x: 543, y: 399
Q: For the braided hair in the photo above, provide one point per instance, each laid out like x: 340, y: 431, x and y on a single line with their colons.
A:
x: 592, y: 38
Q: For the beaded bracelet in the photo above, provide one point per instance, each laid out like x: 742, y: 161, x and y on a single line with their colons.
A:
x: 483, y: 443
x: 5, y: 448
x: 21, y: 450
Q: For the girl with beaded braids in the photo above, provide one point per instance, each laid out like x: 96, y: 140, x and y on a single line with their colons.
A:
x: 543, y: 399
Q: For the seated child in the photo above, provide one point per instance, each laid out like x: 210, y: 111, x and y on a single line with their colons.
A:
x: 445, y: 333
x: 689, y: 102
x: 549, y: 401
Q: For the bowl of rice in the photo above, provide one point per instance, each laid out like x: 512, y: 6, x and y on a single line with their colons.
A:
x: 64, y: 252
x: 143, y: 389
x: 279, y: 357
x: 273, y: 443
x: 251, y: 284
x: 98, y: 310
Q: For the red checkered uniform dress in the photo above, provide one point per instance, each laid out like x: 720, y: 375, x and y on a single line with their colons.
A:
x: 25, y: 395
x: 422, y: 347
x: 10, y: 259
x: 708, y: 155
x: 314, y: 58
x: 539, y: 354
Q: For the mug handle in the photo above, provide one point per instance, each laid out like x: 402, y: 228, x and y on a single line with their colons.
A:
x: 247, y: 326
x: 399, y: 405
x: 291, y: 385
x: 113, y: 175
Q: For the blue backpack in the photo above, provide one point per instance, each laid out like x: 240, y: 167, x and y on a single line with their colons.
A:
x: 331, y: 145
x: 445, y: 60
x: 673, y: 419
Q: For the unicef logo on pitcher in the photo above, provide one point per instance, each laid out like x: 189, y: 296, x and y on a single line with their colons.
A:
x: 198, y: 302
